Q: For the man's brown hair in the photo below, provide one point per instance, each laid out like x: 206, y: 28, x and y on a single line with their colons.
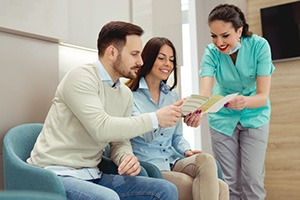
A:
x: 114, y: 33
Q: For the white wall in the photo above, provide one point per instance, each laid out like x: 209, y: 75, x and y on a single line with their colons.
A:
x: 87, y: 17
x: 70, y: 57
x: 43, y: 19
x: 149, y: 14
x: 160, y: 18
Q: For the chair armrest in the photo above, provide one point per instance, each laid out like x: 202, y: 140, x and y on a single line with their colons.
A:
x: 107, y: 166
x: 29, y: 195
x: 23, y: 176
x: 151, y: 170
x: 220, y: 175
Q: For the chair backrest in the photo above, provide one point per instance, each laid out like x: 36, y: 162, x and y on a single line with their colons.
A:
x: 21, y: 139
x: 18, y: 174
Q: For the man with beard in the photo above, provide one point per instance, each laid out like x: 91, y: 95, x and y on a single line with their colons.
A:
x: 92, y: 109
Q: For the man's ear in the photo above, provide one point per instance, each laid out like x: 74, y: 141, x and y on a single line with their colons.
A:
x: 111, y: 52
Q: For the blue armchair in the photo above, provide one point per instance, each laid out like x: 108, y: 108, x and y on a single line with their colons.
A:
x: 18, y: 174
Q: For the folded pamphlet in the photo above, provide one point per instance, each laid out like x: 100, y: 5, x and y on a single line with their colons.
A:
x: 210, y: 104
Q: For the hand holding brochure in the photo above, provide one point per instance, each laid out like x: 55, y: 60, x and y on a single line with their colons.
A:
x: 210, y: 104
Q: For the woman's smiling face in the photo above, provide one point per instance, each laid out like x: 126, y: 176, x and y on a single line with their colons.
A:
x: 164, y: 63
x: 223, y: 35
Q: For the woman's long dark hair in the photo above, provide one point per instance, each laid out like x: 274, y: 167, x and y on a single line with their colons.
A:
x: 230, y: 13
x: 149, y: 55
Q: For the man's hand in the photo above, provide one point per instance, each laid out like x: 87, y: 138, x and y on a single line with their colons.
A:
x: 169, y: 115
x: 129, y: 166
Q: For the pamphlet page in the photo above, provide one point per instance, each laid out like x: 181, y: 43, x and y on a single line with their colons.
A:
x: 210, y: 104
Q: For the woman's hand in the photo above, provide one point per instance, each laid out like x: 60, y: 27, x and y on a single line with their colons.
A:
x: 193, y: 119
x: 189, y: 153
x: 237, y: 103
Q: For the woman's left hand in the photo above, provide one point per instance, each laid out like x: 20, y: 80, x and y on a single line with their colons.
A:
x: 189, y: 153
x: 193, y: 119
x: 237, y: 103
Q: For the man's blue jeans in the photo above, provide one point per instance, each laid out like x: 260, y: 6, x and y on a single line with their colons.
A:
x: 115, y: 187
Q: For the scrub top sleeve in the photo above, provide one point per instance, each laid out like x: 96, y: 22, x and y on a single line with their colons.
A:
x: 265, y: 66
x: 208, y: 65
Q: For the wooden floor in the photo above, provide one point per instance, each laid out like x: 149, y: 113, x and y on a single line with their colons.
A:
x: 283, y: 154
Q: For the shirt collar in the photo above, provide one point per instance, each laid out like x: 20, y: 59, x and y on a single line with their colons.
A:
x: 143, y: 84
x: 164, y: 87
x: 104, y: 76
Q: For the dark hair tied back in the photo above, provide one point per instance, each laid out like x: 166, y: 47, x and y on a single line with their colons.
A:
x: 230, y: 13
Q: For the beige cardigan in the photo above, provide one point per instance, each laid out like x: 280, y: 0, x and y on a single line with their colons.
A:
x: 84, y: 117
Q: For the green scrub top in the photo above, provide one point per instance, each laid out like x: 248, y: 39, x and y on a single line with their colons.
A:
x: 253, y: 59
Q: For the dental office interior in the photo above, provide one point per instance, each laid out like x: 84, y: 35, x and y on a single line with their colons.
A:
x: 40, y: 40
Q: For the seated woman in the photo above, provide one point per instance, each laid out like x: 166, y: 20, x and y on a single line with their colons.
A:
x: 196, y: 174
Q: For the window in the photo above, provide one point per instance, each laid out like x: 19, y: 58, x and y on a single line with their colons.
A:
x: 187, y: 80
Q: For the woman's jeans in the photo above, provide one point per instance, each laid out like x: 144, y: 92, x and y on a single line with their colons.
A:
x: 115, y: 187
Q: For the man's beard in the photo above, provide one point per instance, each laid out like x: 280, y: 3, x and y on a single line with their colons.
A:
x: 120, y: 69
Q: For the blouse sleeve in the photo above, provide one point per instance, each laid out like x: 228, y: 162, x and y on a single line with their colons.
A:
x: 179, y: 143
